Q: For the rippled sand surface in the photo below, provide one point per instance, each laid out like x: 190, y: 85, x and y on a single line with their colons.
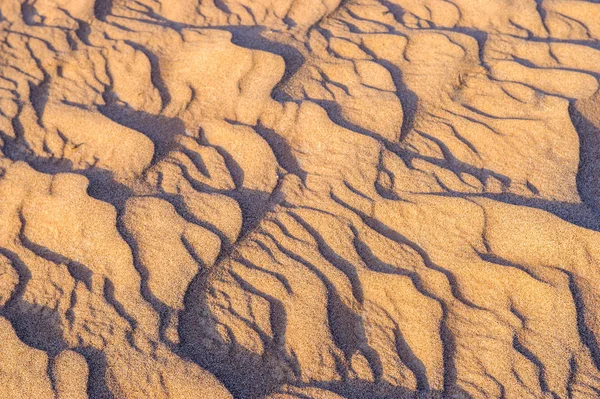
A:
x: 299, y: 199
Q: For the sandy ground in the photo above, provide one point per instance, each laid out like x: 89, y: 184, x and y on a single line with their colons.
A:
x: 292, y: 199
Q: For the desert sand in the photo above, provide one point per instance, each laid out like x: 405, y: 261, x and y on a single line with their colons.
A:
x: 298, y: 199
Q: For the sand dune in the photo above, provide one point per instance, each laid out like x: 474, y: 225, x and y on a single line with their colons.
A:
x: 288, y: 199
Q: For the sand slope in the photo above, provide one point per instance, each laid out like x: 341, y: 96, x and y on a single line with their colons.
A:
x: 299, y: 199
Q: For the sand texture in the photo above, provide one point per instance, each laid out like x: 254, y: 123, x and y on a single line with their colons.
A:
x: 299, y: 199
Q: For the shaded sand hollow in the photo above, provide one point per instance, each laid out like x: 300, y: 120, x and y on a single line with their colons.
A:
x: 298, y: 199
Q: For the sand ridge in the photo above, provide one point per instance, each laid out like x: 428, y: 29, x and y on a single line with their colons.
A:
x: 287, y: 199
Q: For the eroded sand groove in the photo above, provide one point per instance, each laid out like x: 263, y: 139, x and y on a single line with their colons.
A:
x: 299, y: 199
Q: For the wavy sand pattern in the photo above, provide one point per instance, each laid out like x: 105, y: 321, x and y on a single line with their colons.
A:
x: 292, y: 199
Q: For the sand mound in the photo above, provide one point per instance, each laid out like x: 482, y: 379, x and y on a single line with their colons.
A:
x: 299, y: 199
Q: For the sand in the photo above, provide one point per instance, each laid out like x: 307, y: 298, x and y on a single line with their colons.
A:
x: 293, y: 199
